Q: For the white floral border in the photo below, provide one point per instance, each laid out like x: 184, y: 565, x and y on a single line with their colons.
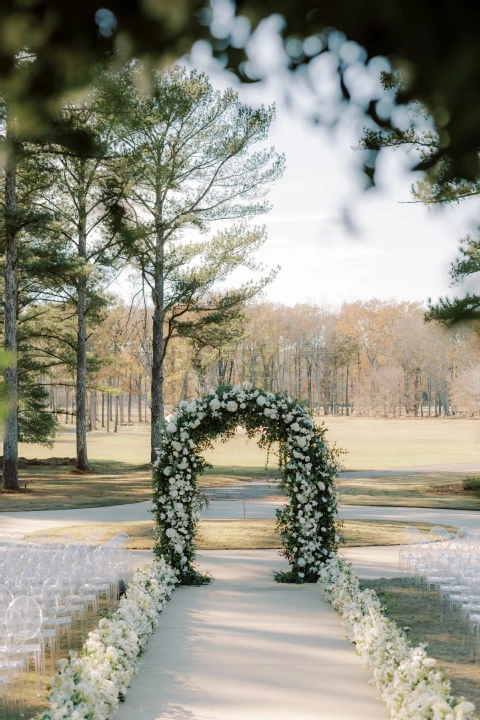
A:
x: 409, y: 681
x: 90, y: 686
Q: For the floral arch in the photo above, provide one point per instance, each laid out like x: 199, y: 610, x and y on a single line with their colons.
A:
x: 307, y: 524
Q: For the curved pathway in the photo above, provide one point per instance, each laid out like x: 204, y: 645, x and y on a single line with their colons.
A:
x: 227, y: 509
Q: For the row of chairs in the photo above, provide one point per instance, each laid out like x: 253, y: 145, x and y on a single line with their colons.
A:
x: 447, y: 564
x: 46, y: 592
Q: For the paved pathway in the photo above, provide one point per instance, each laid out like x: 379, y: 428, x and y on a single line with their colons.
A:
x: 245, y: 648
x: 219, y: 509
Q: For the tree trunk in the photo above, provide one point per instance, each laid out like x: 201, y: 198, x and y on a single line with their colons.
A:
x: 139, y: 385
x: 10, y: 441
x: 146, y: 402
x: 158, y: 351
x: 347, y: 409
x: 115, y: 429
x: 93, y: 410
x: 66, y: 406
x: 129, y: 407
x: 122, y: 413
x: 103, y: 409
x: 81, y: 389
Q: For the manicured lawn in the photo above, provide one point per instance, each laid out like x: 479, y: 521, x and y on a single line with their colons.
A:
x: 251, y: 534
x: 410, y: 491
x: 389, y: 443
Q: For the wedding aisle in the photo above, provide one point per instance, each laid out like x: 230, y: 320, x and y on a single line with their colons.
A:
x: 247, y: 648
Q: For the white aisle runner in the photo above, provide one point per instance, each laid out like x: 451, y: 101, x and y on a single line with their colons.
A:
x: 246, y: 648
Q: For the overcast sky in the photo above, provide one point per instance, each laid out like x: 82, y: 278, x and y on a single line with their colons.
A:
x: 334, y: 241
x: 388, y: 248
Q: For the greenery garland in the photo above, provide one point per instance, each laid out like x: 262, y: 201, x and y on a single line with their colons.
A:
x: 307, y: 524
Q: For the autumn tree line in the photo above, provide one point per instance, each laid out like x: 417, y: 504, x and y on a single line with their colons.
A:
x: 369, y: 358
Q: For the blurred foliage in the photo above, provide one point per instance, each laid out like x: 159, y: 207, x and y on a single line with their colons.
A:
x: 432, y: 46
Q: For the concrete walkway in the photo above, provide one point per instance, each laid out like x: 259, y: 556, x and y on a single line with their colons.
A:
x: 245, y: 648
x: 26, y: 522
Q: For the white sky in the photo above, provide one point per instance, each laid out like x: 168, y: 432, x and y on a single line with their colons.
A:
x: 388, y: 248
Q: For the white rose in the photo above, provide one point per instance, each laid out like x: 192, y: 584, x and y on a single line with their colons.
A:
x: 200, y: 415
x: 215, y: 403
x: 301, y: 562
x: 301, y: 498
x: 267, y: 412
x: 171, y: 427
x: 273, y: 415
x: 167, y: 471
x: 178, y: 506
x: 261, y: 400
x: 243, y: 406
x: 301, y: 441
x: 177, y: 446
x: 170, y: 532
x: 232, y: 406
x: 429, y: 662
x: 183, y: 465
x: 295, y: 427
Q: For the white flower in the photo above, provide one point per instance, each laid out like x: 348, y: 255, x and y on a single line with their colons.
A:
x: 301, y: 562
x: 215, y: 403
x: 170, y: 532
x: 177, y: 446
x: 171, y: 427
x: 267, y: 412
x: 261, y: 400
x: 167, y: 471
x: 232, y: 406
x: 301, y: 441
x: 295, y: 427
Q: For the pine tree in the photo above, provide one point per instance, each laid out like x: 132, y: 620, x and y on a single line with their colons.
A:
x: 191, y: 163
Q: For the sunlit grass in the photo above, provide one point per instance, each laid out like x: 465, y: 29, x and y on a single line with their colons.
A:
x: 244, y: 534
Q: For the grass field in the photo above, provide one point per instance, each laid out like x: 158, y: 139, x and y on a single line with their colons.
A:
x: 250, y: 534
x: 390, y: 443
x: 121, y: 474
x: 428, y: 490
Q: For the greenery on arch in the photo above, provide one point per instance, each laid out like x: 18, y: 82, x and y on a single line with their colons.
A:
x: 307, y: 523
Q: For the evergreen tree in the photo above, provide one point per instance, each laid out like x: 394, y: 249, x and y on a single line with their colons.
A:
x: 83, y: 198
x: 191, y: 163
